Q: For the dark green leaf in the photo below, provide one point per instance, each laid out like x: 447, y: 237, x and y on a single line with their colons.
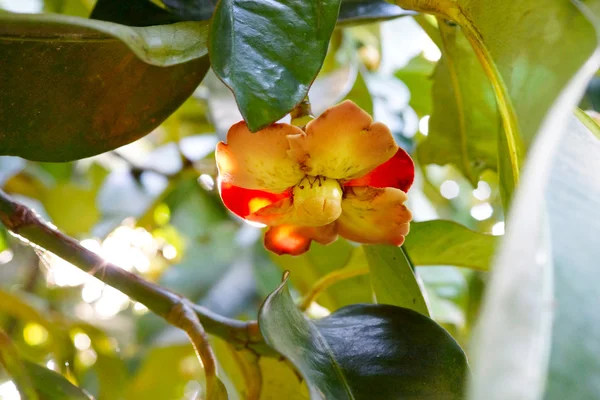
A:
x: 365, y: 11
x: 269, y: 53
x: 440, y: 242
x: 192, y: 9
x: 351, y: 11
x: 394, y: 281
x: 366, y: 351
x: 132, y: 13
x: 52, y: 110
x: 53, y: 386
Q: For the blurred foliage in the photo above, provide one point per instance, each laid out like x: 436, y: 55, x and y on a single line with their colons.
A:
x: 152, y: 207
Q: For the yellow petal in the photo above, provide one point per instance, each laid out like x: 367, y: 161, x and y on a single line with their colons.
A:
x: 342, y: 143
x: 316, y: 201
x: 374, y: 215
x: 258, y: 160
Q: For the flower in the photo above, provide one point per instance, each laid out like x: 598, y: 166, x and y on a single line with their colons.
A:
x: 343, y: 175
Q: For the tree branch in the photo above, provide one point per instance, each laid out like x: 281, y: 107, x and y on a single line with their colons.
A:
x: 25, y: 223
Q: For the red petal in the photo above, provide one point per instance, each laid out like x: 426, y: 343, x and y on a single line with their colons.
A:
x: 243, y: 202
x: 287, y: 239
x: 398, y: 172
x: 295, y: 240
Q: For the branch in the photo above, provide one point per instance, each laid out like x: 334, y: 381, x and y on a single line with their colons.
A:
x: 25, y: 223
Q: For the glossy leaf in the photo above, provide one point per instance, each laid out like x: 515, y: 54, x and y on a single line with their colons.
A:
x: 46, y: 82
x: 192, y: 9
x: 441, y: 242
x: 288, y: 50
x: 366, y: 11
x: 133, y: 13
x: 321, y: 260
x: 514, y: 332
x: 394, y: 281
x: 348, y: 354
x: 351, y: 11
x: 465, y: 123
x: 51, y: 385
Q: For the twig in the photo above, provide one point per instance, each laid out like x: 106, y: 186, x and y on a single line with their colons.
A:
x: 25, y: 223
x: 183, y: 316
x: 329, y: 280
x: 302, y: 113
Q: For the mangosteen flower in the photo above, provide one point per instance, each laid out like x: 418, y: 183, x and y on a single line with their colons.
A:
x: 343, y: 175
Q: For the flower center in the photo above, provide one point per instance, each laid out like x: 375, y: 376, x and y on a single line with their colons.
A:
x: 317, y: 200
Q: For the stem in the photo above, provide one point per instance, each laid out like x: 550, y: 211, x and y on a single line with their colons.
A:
x: 302, y: 114
x: 25, y: 223
x: 329, y: 280
x: 183, y: 316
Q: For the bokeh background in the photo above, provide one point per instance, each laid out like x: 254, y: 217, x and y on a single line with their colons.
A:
x: 152, y: 208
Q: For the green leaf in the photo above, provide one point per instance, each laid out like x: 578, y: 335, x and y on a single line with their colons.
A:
x: 573, y: 216
x: 441, y: 242
x: 110, y: 368
x: 400, y: 352
x: 281, y: 381
x: 360, y: 93
x: 192, y: 9
x: 74, y: 87
x: 18, y: 308
x: 154, y: 380
x: 132, y: 13
x: 528, y: 68
x: 78, y: 8
x: 13, y: 365
x: 270, y: 69
x: 394, y: 281
x: 514, y: 332
x: 51, y: 385
x: 321, y: 260
x: 72, y: 207
x: 465, y: 123
x: 351, y: 11
x: 417, y: 75
x: 368, y: 11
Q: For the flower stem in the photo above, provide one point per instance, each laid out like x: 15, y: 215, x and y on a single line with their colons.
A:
x: 329, y: 280
x: 302, y: 114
